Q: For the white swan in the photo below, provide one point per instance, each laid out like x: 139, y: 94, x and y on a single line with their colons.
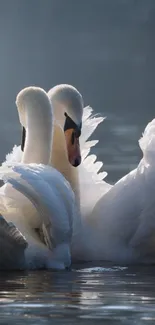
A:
x: 48, y: 201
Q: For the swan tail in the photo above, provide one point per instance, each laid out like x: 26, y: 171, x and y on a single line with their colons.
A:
x: 13, y: 245
x: 147, y: 143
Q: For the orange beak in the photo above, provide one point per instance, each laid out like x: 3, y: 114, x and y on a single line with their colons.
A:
x: 73, y: 147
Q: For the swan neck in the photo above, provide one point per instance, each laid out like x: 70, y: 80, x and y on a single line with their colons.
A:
x: 60, y: 161
x: 38, y: 136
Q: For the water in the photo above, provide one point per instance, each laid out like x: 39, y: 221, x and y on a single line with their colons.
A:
x: 86, y: 295
x: 106, y: 49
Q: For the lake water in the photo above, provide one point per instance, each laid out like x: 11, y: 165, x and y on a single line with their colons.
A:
x: 106, y: 49
x: 86, y: 295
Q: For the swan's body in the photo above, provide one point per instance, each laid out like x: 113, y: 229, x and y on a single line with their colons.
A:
x: 36, y: 198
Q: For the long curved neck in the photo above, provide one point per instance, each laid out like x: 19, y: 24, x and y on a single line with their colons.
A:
x: 59, y: 160
x: 38, y: 136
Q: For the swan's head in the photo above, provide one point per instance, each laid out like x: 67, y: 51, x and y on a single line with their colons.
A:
x: 67, y: 104
x: 33, y: 104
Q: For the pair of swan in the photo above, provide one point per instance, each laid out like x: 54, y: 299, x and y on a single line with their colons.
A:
x: 67, y: 105
x: 37, y: 203
x: 116, y: 223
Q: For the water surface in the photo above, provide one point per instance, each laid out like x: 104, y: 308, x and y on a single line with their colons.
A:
x: 86, y: 295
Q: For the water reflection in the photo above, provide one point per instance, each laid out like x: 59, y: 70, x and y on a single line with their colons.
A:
x: 118, y: 295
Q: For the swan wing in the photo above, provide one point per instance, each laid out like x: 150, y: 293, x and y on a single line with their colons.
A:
x: 58, y: 185
x: 146, y: 226
x: 51, y: 204
x: 92, y: 183
x: 145, y: 231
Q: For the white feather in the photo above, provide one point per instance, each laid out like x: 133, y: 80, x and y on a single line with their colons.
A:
x: 53, y: 199
x: 91, y: 179
x: 121, y: 227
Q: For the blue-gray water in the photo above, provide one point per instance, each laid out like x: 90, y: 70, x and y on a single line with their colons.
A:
x: 106, y: 49
x: 87, y: 295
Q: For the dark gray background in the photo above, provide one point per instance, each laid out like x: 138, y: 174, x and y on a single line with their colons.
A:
x: 105, y: 48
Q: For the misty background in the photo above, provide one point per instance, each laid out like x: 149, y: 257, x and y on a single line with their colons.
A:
x: 105, y: 48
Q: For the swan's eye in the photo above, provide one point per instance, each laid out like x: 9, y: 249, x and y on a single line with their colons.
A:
x: 73, y: 138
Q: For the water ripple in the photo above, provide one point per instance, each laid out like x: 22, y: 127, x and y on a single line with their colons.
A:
x: 117, y: 295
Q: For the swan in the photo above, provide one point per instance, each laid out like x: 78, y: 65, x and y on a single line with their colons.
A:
x: 71, y: 117
x: 37, y: 203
